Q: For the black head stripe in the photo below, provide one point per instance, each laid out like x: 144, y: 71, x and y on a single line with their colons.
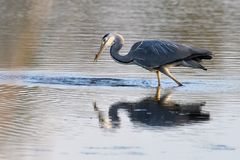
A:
x: 105, y: 35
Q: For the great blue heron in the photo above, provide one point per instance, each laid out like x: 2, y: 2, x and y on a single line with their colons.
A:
x: 155, y: 55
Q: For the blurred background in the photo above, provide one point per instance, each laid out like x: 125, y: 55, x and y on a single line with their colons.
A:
x: 63, y: 36
x: 45, y: 44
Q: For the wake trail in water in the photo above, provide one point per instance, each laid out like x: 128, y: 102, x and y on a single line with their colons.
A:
x: 90, y: 81
x: 73, y: 80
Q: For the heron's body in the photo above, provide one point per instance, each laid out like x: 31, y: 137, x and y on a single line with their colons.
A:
x: 157, y: 55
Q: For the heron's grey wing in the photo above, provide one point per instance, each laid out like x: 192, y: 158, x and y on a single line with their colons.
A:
x: 153, y: 54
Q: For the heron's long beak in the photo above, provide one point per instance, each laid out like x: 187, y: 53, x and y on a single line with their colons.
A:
x: 102, y: 47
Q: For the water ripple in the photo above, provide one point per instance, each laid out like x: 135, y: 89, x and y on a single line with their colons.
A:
x: 76, y: 80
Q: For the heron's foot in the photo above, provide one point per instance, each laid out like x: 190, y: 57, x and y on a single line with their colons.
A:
x: 179, y: 84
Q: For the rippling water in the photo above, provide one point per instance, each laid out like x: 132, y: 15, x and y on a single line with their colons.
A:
x: 56, y: 103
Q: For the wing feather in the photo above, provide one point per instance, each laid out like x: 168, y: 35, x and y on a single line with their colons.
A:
x: 153, y: 54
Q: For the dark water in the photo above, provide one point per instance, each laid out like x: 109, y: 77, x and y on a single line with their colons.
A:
x: 56, y: 103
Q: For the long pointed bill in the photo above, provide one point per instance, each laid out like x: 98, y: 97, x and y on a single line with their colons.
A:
x: 100, y: 51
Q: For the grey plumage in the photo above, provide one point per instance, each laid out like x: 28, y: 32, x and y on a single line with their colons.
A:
x: 155, y: 54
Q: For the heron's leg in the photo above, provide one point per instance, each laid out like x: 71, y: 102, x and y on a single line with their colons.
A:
x: 158, y: 76
x: 167, y: 72
x: 158, y: 93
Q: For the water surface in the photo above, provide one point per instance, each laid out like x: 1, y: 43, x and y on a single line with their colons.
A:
x: 56, y: 103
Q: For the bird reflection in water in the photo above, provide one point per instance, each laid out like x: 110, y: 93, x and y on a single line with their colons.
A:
x: 154, y: 111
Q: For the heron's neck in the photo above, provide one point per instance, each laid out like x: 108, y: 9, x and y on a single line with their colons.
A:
x: 115, y: 48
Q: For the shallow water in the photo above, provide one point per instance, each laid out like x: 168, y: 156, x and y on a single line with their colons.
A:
x: 56, y: 103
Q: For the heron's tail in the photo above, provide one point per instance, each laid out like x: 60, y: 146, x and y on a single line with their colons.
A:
x: 198, y: 54
x: 193, y: 64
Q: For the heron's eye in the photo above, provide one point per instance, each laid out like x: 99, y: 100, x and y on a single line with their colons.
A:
x: 104, y: 39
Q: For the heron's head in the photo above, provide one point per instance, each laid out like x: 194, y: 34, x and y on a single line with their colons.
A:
x: 107, y: 40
